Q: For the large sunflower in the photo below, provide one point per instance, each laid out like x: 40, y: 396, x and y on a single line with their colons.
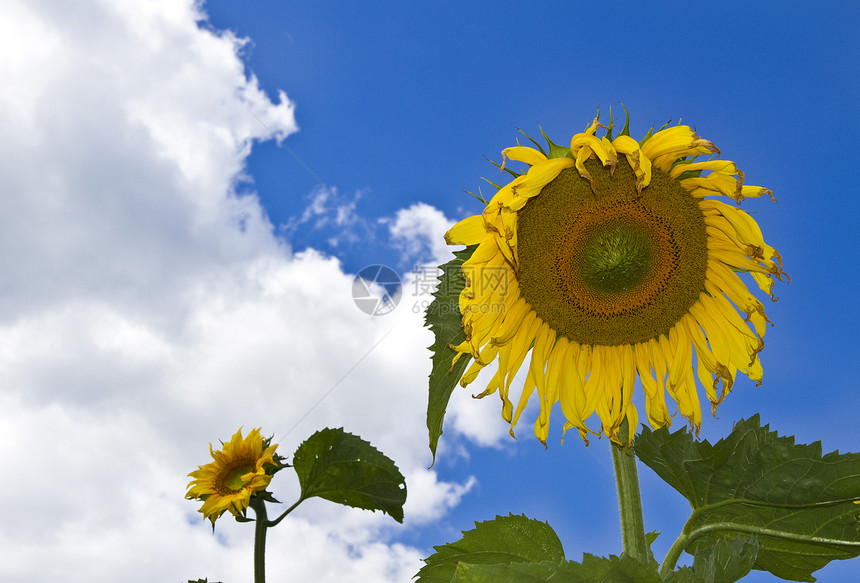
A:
x: 609, y: 261
x: 237, y: 472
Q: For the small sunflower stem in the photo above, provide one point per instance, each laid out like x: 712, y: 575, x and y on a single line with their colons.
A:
x: 262, y: 524
x: 629, y: 500
x: 287, y: 511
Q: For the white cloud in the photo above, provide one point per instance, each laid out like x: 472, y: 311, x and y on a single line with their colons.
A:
x: 149, y: 310
x: 328, y: 209
x: 419, y: 231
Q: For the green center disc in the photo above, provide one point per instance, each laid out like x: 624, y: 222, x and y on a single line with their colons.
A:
x: 232, y: 476
x: 611, y: 266
x: 616, y: 256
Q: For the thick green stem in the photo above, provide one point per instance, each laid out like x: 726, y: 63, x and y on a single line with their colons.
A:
x: 259, y: 539
x: 629, y: 500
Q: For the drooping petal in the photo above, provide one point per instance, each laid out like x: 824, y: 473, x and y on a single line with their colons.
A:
x: 469, y: 231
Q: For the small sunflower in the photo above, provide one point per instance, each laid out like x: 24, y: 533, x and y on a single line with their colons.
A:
x: 609, y: 261
x: 237, y: 473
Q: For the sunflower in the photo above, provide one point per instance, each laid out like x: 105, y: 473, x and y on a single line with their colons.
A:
x: 237, y: 473
x: 610, y: 261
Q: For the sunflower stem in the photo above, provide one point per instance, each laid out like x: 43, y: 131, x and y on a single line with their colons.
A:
x: 673, y: 555
x: 629, y: 500
x: 287, y: 511
x: 259, y: 507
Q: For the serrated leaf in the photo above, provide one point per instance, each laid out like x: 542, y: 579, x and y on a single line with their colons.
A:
x: 443, y: 318
x: 621, y: 569
x: 345, y: 469
x: 502, y: 541
x: 798, y: 502
x: 725, y: 562
x: 515, y: 573
x: 591, y: 570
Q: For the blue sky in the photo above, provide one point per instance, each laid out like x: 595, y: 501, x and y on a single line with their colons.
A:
x: 401, y: 104
x: 186, y: 208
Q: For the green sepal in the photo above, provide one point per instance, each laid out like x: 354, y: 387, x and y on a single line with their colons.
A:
x: 683, y: 160
x: 267, y: 496
x: 533, y: 141
x: 689, y: 174
x: 343, y: 468
x: 444, y: 320
x: 651, y: 132
x: 490, y: 182
x: 798, y: 502
x: 513, y: 173
x: 647, y: 136
x: 499, y: 542
x: 611, y: 124
x: 280, y: 461
x: 626, y: 130
x: 555, y: 151
x: 480, y: 196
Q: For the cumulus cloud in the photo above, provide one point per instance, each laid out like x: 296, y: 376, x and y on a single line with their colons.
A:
x: 148, y: 310
x: 419, y: 231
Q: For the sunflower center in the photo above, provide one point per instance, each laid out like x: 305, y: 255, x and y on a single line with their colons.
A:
x: 231, y: 477
x: 612, y: 265
x: 615, y: 257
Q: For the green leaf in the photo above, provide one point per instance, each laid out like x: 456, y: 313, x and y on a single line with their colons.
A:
x: 502, y: 541
x: 725, y: 562
x: 515, y: 573
x: 799, y: 503
x: 343, y: 468
x: 443, y: 318
x: 592, y: 570
x: 621, y: 569
x: 516, y: 549
x: 650, y: 537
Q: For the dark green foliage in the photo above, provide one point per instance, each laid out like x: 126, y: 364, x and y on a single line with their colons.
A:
x: 725, y: 562
x: 516, y: 549
x: 343, y: 468
x: 499, y: 542
x: 444, y: 320
x: 591, y: 570
x: 798, y: 502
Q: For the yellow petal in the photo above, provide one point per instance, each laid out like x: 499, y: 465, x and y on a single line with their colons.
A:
x: 571, y: 396
x: 541, y: 175
x: 523, y: 154
x: 725, y: 166
x: 640, y: 163
x: 469, y: 231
